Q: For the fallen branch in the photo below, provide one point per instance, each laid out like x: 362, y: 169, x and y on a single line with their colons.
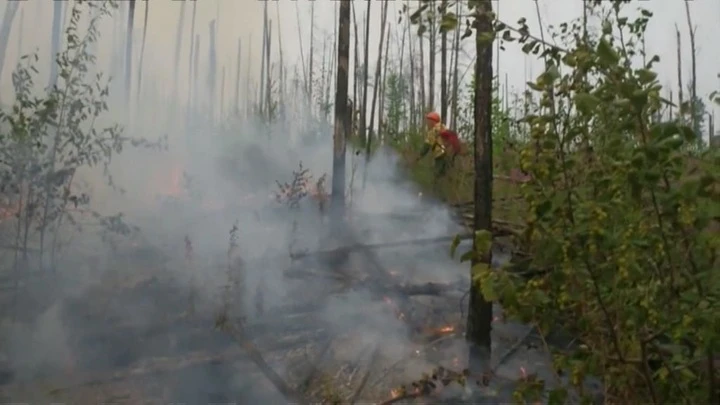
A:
x: 238, y: 334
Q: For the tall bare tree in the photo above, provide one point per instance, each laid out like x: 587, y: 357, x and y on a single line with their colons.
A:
x: 128, y: 51
x: 194, y: 45
x: 681, y: 99
x: 366, y: 62
x: 342, y: 116
x: 377, y: 80
x: 11, y: 9
x: 693, y: 69
x: 142, y: 48
x: 443, y: 64
x: 55, y: 41
x: 178, y: 47
x: 237, y: 77
x: 479, y: 319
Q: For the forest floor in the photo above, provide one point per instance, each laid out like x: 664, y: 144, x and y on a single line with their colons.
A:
x: 378, y: 320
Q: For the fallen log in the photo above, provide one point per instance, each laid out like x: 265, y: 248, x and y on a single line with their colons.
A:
x: 240, y: 336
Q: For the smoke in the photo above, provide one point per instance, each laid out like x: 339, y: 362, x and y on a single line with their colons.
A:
x: 117, y: 302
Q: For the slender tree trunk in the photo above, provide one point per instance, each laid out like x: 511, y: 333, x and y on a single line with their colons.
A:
x: 237, y: 78
x: 479, y: 321
x: 302, y: 54
x: 263, y: 66
x: 178, y: 47
x: 403, y: 86
x: 281, y: 73
x: 312, y: 55
x: 423, y: 99
x: 413, y: 61
x: 443, y: 67
x: 128, y: 53
x: 342, y: 117
x: 381, y: 112
x: 679, y: 75
x: 196, y: 71
x: 356, y: 82
x: 248, y: 80
x: 56, y: 39
x: 693, y: 74
x: 268, y: 78
x: 455, y: 70
x: 21, y: 31
x: 376, y: 80
x: 366, y: 62
x: 142, y: 49
x: 11, y: 9
x: 432, y: 51
x: 194, y: 45
x: 212, y: 69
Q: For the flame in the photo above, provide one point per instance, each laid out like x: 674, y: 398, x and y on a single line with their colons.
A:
x: 446, y: 329
x: 394, y: 393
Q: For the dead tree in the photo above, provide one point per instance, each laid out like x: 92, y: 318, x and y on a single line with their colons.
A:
x: 455, y: 79
x: 312, y: 55
x: 376, y: 81
x: 11, y: 9
x: 212, y: 67
x: 366, y: 61
x: 192, y: 65
x: 142, y: 48
x: 128, y: 52
x: 178, y: 47
x: 432, y: 23
x: 443, y: 64
x: 693, y: 71
x: 342, y: 118
x: 480, y: 311
x: 679, y: 74
x: 237, y: 78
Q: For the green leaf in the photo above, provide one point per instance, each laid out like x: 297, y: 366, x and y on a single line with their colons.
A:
x: 586, y: 103
x: 454, y: 245
x: 607, y: 54
x: 543, y: 208
x: 646, y: 76
x: 482, y: 242
x: 449, y: 22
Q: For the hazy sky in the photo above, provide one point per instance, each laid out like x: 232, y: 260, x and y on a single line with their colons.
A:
x: 243, y: 18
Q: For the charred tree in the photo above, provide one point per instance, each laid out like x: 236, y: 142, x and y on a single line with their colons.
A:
x: 433, y: 21
x: 342, y: 116
x: 679, y: 74
x: 443, y: 64
x: 693, y: 71
x: 237, y: 78
x: 11, y: 9
x: 376, y: 81
x: 366, y: 61
x: 480, y: 312
x: 55, y: 41
x: 192, y: 65
x: 212, y: 67
x: 128, y: 52
x: 356, y: 82
x: 268, y: 71
x: 178, y: 47
x: 142, y: 49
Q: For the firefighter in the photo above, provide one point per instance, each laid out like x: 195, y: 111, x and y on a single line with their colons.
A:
x: 435, y: 144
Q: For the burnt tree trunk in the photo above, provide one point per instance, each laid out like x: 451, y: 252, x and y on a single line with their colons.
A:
x: 443, y: 66
x: 366, y: 61
x: 142, y: 49
x: 128, y: 53
x: 480, y: 311
x: 342, y: 118
x: 11, y: 9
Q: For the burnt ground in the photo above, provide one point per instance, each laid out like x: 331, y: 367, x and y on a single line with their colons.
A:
x: 341, y: 329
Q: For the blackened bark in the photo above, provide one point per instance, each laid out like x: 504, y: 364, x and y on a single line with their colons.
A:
x: 342, y: 116
x: 480, y: 311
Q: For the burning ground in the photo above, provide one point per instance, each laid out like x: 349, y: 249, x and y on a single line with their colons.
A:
x: 233, y: 290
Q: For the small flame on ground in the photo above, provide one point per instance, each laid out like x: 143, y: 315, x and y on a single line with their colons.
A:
x: 394, y: 393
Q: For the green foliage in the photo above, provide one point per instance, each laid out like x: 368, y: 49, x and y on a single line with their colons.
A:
x: 622, y: 220
x: 45, y: 139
